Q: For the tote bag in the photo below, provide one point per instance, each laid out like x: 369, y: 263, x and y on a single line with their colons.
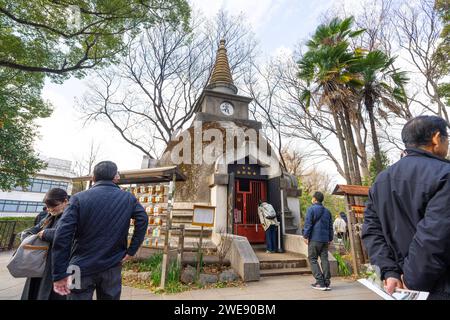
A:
x: 30, y: 258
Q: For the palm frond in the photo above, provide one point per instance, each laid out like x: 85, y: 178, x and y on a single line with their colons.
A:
x: 305, y: 97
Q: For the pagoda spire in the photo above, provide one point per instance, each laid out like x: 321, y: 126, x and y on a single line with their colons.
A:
x: 221, y: 78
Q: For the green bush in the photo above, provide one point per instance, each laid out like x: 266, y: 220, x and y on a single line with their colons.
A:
x: 173, y: 284
x: 174, y: 272
x: 343, y: 269
x: 154, y: 265
x: 151, y: 263
x: 22, y: 223
x: 156, y: 274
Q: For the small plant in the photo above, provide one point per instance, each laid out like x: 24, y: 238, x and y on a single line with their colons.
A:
x: 220, y: 285
x: 343, y: 269
x: 173, y: 279
x: 173, y: 274
x: 156, y: 274
x: 223, y: 248
x: 199, y: 260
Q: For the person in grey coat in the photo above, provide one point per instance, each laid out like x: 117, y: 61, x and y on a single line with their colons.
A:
x: 42, y: 288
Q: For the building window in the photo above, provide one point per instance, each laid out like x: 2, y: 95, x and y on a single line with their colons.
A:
x: 42, y: 186
x: 20, y: 206
x: 35, y: 186
x: 10, y: 206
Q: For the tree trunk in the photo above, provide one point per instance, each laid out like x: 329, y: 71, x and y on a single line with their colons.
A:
x: 352, y: 147
x: 376, y: 146
x: 342, y: 146
x: 362, y: 150
x: 351, y: 164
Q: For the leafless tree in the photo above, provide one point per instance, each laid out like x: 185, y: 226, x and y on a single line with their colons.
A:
x: 419, y: 28
x: 153, y: 92
x: 262, y: 83
x: 224, y: 247
x: 317, y: 180
x: 295, y: 161
x: 85, y: 165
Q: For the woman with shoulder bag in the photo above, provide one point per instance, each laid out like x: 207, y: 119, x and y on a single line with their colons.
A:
x: 56, y: 201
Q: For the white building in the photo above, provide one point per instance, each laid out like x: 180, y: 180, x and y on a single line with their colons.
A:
x: 23, y: 203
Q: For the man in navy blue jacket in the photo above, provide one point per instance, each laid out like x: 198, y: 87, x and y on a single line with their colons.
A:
x: 318, y: 233
x: 92, y: 234
x: 407, y: 221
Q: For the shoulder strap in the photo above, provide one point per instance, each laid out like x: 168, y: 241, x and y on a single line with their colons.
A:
x: 323, y: 210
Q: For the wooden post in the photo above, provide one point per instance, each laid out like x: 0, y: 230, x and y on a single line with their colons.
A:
x: 167, y: 235
x: 282, y: 222
x: 351, y: 235
x: 282, y: 210
x: 180, y: 245
x: 199, y: 254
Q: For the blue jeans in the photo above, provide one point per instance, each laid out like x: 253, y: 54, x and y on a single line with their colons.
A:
x: 271, y: 238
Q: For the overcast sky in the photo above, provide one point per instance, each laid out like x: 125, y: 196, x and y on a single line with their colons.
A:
x: 278, y: 25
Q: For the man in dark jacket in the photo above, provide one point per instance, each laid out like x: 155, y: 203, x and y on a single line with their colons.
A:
x: 92, y: 235
x: 318, y: 233
x: 407, y: 220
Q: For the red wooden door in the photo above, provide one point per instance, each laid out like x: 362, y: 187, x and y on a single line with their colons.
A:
x: 248, y: 194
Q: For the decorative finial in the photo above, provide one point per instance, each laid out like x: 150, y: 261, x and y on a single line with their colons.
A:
x: 221, y: 75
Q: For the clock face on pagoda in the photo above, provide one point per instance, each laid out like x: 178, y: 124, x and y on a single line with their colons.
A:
x: 227, y: 108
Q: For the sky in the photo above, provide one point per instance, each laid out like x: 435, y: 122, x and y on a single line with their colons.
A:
x: 279, y: 25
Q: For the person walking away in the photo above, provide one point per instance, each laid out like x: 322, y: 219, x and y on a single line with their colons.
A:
x: 339, y: 228
x: 97, y: 221
x: 344, y: 217
x: 42, y: 215
x: 406, y: 228
x: 317, y: 234
x: 268, y: 219
x: 42, y: 288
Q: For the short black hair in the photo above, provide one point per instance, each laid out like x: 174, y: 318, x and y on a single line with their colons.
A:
x: 105, y: 170
x: 318, y: 196
x: 419, y: 131
x: 54, y: 197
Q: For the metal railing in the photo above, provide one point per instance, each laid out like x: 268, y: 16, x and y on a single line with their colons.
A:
x: 7, y: 234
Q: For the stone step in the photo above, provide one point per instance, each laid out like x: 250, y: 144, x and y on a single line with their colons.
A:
x: 283, y: 264
x: 284, y: 272
x: 291, y: 229
x: 191, y: 259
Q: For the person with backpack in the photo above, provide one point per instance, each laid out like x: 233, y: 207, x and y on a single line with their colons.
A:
x: 268, y: 218
x: 318, y: 234
x: 340, y: 228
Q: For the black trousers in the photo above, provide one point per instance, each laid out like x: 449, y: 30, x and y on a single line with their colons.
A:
x: 315, y: 250
x: 107, y: 284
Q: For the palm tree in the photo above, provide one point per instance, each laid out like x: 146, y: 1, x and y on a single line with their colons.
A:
x: 383, y: 86
x: 326, y: 69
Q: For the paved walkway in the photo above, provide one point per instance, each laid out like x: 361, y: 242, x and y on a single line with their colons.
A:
x: 280, y: 288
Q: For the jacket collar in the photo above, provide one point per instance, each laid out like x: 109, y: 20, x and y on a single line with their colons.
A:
x: 318, y: 204
x: 423, y: 153
x: 105, y: 183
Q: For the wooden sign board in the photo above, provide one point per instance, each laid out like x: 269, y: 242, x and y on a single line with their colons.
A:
x: 203, y: 216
